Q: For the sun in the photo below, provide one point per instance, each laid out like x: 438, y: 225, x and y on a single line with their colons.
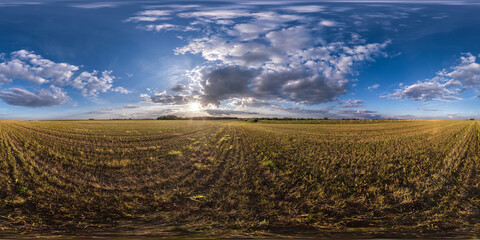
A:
x: 194, y: 107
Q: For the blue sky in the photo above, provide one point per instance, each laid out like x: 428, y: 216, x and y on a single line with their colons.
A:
x: 142, y: 59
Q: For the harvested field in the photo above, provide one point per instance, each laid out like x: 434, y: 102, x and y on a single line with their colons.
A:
x: 233, y: 177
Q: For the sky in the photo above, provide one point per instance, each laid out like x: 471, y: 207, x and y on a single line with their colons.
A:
x: 363, y: 59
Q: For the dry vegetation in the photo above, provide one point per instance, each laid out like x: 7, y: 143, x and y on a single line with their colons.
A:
x: 224, y: 177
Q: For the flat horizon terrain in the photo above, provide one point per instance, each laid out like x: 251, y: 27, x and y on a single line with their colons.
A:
x: 236, y: 178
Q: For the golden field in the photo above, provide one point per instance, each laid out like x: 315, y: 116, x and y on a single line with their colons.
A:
x: 235, y: 177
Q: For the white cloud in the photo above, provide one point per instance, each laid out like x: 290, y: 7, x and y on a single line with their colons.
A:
x: 168, y: 27
x: 19, y: 3
x: 249, y: 31
x: 150, y: 16
x: 351, y: 103
x: 282, y: 55
x: 215, y: 14
x: 446, y: 85
x: 155, y: 13
x: 145, y: 19
x: 121, y: 90
x: 26, y: 65
x: 428, y: 91
x: 175, y: 6
x: 224, y: 22
x: 374, y: 86
x: 267, y: 2
x: 311, y: 76
x: 290, y: 38
x: 468, y: 72
x: 218, y: 49
x: 160, y: 27
x: 90, y: 83
x: 328, y: 23
x: 47, y: 97
x: 305, y: 8
x: 277, y: 17
x: 98, y: 5
x: 445, y: 2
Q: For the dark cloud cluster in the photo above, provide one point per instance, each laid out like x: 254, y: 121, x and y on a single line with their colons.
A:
x: 168, y: 99
x: 270, y: 55
x: 179, y: 88
x: 225, y: 83
x: 47, y: 97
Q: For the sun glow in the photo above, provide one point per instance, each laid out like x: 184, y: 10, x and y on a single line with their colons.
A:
x: 194, y: 107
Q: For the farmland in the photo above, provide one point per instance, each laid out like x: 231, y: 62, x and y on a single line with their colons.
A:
x: 235, y: 177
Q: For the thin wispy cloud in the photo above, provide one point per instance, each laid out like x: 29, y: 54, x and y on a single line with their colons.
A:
x: 98, y: 5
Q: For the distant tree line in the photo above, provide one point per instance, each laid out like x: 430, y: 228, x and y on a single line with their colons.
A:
x: 283, y: 119
x: 173, y: 117
x: 169, y: 117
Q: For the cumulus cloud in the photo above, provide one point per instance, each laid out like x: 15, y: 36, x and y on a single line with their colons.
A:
x: 214, y: 86
x: 266, y: 55
x: 164, y: 98
x: 179, y: 88
x: 92, y: 83
x: 249, y: 31
x: 121, y: 90
x: 225, y: 83
x: 446, y: 84
x: 26, y: 65
x: 47, y: 97
x: 218, y: 49
x: 468, y: 72
x: 312, y: 89
x: 290, y: 38
x: 263, y: 22
x: 426, y: 91
x: 286, y: 71
x: 250, y: 102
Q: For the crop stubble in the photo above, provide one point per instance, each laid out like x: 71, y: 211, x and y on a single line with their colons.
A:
x: 224, y: 176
